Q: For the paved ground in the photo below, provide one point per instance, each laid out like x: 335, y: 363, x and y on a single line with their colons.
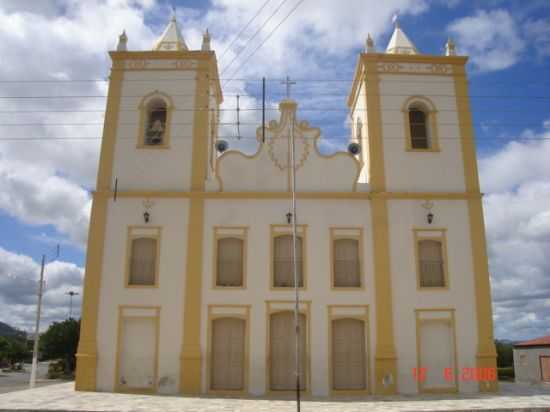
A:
x: 62, y: 397
x: 16, y: 381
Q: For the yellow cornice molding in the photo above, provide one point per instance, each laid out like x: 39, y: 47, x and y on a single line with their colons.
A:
x: 372, y: 59
x: 288, y: 195
x: 413, y: 58
x: 165, y: 55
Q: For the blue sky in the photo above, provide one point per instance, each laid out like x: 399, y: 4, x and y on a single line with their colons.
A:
x: 45, y: 185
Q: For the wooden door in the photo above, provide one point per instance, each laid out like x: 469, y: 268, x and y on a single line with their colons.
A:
x: 348, y: 354
x: 138, y: 350
x: 545, y: 368
x: 436, y: 352
x: 228, y: 349
x: 283, y: 352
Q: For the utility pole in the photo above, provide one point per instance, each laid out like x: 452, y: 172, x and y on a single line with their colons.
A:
x: 37, y: 325
x: 288, y: 83
x: 71, y: 294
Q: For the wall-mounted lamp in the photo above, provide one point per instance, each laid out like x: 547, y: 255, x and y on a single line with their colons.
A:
x: 430, y: 217
x: 289, y: 218
x: 147, y: 204
x: 428, y: 206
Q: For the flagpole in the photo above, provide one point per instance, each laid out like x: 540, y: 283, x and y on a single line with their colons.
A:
x: 294, y: 262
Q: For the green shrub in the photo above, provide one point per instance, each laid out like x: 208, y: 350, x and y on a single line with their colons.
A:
x: 506, y: 374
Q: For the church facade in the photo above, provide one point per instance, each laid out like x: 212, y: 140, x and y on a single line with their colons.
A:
x: 188, y: 285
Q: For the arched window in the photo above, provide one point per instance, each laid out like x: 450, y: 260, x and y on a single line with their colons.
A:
x: 420, y: 124
x: 155, y: 110
x: 155, y: 127
x: 283, y: 269
x: 418, y: 119
x: 229, y: 262
x: 431, y: 265
x: 143, y: 261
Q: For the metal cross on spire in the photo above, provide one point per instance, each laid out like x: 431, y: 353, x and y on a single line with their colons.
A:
x: 287, y: 82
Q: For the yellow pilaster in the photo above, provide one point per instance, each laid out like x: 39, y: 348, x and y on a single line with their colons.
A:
x: 86, y: 356
x: 191, y: 355
x: 385, y: 367
x: 486, y: 352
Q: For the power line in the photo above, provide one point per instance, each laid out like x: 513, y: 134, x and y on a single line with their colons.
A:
x: 255, y: 138
x: 243, y: 29
x: 253, y: 36
x: 267, y: 38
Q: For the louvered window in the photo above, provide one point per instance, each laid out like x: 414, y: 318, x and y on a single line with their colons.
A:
x: 346, y: 263
x: 419, y: 129
x: 283, y: 269
x: 143, y: 261
x: 230, y: 262
x: 431, y: 265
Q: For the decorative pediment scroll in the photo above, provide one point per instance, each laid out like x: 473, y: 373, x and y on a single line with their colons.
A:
x: 269, y: 169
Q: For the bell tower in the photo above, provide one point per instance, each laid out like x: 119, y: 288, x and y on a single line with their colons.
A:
x: 411, y: 115
x: 158, y: 135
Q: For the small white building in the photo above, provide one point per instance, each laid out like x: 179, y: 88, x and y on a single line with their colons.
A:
x: 188, y: 287
x: 532, y: 360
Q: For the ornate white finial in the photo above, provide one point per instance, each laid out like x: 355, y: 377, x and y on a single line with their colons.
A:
x: 173, y: 17
x: 122, y: 42
x: 205, y: 41
x: 395, y: 19
x: 450, y: 48
x: 370, y: 45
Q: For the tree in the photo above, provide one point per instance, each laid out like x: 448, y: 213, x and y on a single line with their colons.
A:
x: 60, y: 341
x: 12, y: 350
x: 505, y: 354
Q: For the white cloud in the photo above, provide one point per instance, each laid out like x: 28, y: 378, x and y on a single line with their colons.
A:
x: 516, y: 179
x: 490, y: 38
x: 36, y: 196
x: 19, y: 276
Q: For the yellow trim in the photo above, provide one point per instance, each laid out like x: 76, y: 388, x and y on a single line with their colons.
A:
x: 243, y: 235
x: 131, y: 235
x: 117, y: 386
x: 385, y: 355
x: 451, y: 319
x: 300, y: 195
x: 143, y: 120
x: 486, y: 351
x: 442, y: 238
x: 270, y: 311
x: 377, y: 171
x: 365, y: 319
x: 191, y: 355
x: 301, y: 232
x: 359, y: 237
x: 393, y: 60
x: 431, y: 114
x: 182, y: 60
x: 86, y: 368
x: 246, y: 365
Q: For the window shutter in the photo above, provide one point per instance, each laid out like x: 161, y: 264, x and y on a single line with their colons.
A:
x: 418, y: 129
x: 346, y: 263
x: 283, y: 264
x: 431, y: 263
x: 230, y: 262
x: 143, y: 261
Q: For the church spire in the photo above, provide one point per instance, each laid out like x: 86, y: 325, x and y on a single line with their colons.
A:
x: 171, y: 38
x: 399, y: 42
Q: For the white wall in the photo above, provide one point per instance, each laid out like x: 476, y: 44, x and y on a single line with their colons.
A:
x: 171, y: 214
x: 421, y: 171
x: 258, y: 215
x: 404, y: 216
x: 154, y: 168
x: 527, y: 363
